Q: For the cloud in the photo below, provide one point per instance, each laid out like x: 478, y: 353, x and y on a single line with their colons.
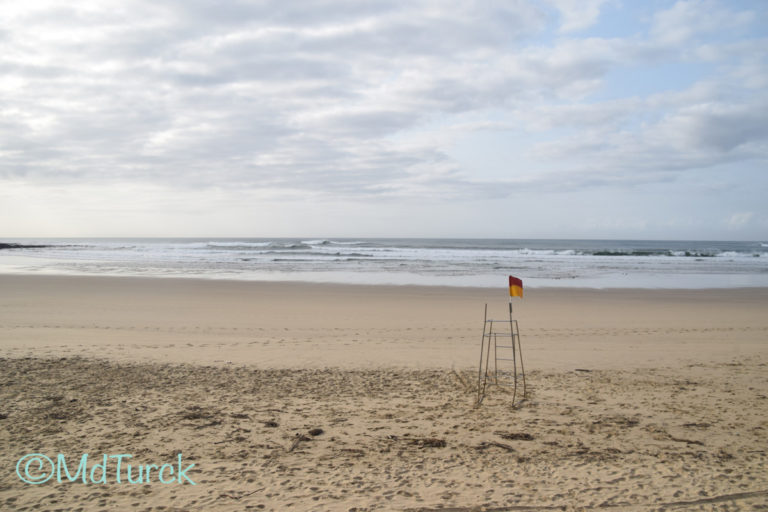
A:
x: 577, y: 14
x: 739, y: 220
x: 721, y: 128
x: 325, y: 97
x: 690, y: 19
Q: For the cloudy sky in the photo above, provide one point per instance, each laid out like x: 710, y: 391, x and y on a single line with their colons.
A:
x: 509, y: 118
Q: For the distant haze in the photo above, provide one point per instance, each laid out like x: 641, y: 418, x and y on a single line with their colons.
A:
x: 508, y: 119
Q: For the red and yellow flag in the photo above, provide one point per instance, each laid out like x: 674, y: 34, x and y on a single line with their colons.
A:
x: 515, y: 287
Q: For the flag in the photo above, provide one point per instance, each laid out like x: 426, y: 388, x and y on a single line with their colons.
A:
x: 515, y: 287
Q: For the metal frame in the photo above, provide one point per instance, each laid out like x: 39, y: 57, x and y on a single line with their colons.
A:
x: 484, y: 371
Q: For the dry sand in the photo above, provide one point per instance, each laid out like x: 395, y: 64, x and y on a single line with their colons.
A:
x: 672, y: 414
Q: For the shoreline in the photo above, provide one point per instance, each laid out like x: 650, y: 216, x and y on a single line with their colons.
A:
x: 301, y: 282
x: 661, y: 281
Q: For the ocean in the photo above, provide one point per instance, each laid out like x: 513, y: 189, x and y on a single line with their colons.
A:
x: 431, y: 262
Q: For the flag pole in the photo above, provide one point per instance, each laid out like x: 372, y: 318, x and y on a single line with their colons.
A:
x: 514, y: 350
x: 515, y: 290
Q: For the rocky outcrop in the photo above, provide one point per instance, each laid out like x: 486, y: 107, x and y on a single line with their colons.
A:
x: 21, y: 246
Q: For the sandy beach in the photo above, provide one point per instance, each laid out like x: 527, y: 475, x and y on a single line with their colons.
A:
x: 296, y: 396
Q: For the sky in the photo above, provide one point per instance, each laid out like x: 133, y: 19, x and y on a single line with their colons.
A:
x: 385, y: 118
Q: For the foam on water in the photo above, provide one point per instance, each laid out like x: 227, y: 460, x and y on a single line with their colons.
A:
x: 454, y: 262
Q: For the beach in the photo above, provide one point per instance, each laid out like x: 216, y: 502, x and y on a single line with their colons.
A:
x: 312, y: 396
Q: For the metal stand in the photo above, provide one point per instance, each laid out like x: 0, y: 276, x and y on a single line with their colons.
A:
x: 505, y: 357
